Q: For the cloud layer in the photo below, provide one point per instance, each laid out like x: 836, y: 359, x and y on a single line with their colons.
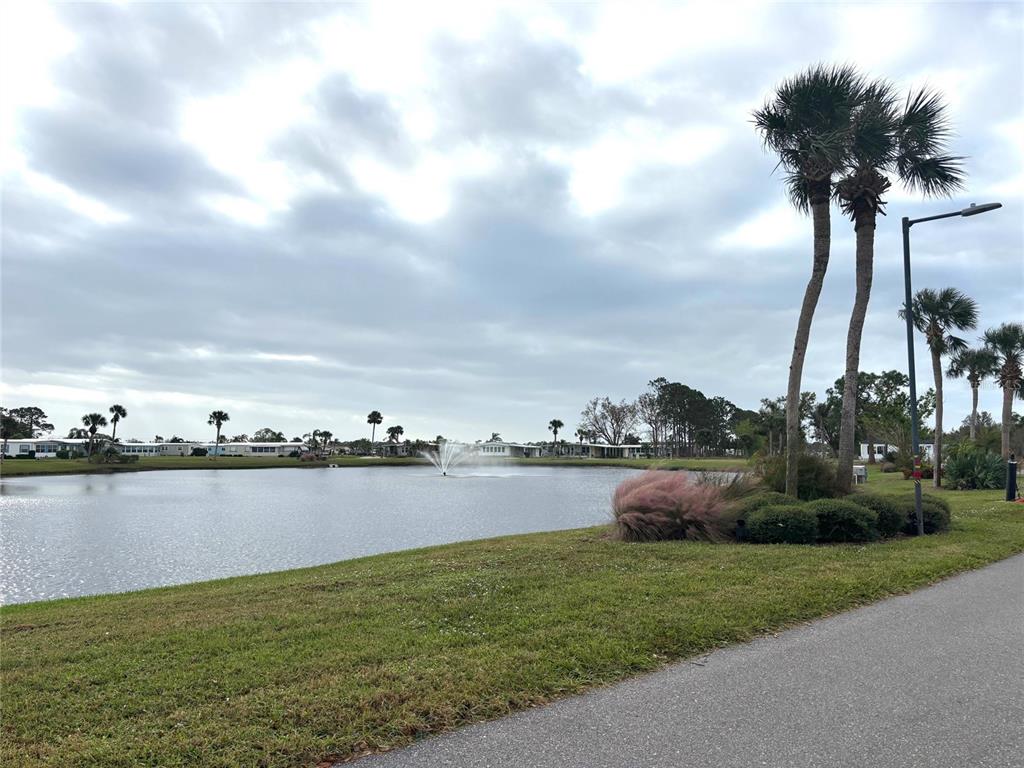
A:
x: 471, y: 219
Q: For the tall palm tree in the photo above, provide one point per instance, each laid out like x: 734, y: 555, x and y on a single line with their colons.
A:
x: 117, y: 413
x: 886, y: 141
x: 936, y: 313
x: 554, y: 425
x: 806, y: 123
x: 394, y: 433
x: 975, y: 365
x: 217, y: 419
x: 93, y: 421
x: 1007, y: 344
x: 374, y: 418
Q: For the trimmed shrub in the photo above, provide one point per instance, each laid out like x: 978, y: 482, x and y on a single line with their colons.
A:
x: 816, y: 477
x: 840, y: 520
x: 891, y: 518
x: 657, y: 505
x: 934, y: 511
x: 889, y: 466
x: 782, y: 524
x: 969, y: 468
x: 198, y: 452
x: 62, y: 454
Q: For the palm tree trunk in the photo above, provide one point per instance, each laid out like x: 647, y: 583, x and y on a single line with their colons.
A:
x: 1007, y: 418
x: 974, y: 411
x: 865, y: 229
x: 937, y: 448
x: 113, y: 435
x: 822, y: 244
x: 216, y: 445
x: 373, y: 433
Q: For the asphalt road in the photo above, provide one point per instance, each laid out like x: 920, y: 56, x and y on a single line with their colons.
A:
x: 931, y: 679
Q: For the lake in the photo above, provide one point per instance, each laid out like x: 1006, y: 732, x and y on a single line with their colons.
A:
x: 63, y: 536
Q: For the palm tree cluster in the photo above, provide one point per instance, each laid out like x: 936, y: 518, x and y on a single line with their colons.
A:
x: 840, y: 136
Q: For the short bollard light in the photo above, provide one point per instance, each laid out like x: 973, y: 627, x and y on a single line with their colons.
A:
x: 1011, y: 479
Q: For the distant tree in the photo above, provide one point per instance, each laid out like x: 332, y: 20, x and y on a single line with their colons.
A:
x: 77, y: 433
x: 374, y: 419
x: 975, y: 365
x: 936, y: 314
x: 296, y: 440
x: 1007, y: 344
x: 439, y: 439
x: 117, y: 412
x: 217, y: 419
x: 394, y: 433
x: 495, y: 438
x: 268, y: 435
x: 609, y: 421
x: 158, y: 438
x: 176, y: 439
x: 34, y: 419
x: 325, y: 441
x: 92, y: 422
x: 888, y: 419
x: 11, y: 428
x: 240, y: 439
x: 554, y: 425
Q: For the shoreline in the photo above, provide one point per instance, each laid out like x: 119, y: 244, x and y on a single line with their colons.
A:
x: 46, y: 467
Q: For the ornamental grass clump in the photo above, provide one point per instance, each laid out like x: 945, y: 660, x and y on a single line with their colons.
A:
x: 658, y: 506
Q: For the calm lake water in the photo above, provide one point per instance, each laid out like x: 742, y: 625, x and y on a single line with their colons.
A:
x: 93, y: 534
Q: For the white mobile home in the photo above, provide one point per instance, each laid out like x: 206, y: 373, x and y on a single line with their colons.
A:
x: 597, y: 451
x: 253, y: 449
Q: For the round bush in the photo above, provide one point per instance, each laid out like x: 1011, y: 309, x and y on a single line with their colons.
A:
x: 840, y: 520
x: 889, y: 466
x: 760, y: 500
x: 891, y: 518
x: 934, y: 510
x: 782, y: 524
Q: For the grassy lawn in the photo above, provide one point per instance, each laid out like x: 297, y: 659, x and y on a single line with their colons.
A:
x: 26, y: 467
x: 291, y: 668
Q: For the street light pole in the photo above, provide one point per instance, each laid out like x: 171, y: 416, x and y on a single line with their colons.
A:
x: 908, y: 312
x: 914, y: 437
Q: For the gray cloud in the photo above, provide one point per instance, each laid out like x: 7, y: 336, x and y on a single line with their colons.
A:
x: 514, y: 306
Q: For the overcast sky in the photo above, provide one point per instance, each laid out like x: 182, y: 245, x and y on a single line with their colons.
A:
x: 470, y: 218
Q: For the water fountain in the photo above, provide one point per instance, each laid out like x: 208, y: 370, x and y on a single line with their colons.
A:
x: 448, y: 455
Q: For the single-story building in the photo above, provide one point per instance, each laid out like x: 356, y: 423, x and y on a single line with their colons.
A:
x: 252, y: 449
x: 927, y: 450
x: 45, y: 447
x: 598, y: 451
x: 500, y: 449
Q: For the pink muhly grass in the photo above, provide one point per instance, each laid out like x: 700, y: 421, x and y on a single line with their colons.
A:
x: 667, y: 505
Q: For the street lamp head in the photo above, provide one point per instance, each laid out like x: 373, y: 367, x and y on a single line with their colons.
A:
x: 974, y: 210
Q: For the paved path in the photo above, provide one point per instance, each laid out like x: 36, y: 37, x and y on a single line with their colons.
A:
x: 932, y: 679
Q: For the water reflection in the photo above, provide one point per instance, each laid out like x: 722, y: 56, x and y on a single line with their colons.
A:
x: 77, y: 535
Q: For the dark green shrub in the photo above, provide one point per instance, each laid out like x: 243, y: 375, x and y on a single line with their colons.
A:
x: 198, y: 452
x: 841, y: 520
x: 969, y: 468
x: 782, y: 524
x: 934, y: 511
x: 816, y: 477
x: 891, y: 518
x: 293, y: 454
x: 759, y: 500
x: 62, y: 454
x: 29, y: 455
x: 889, y: 466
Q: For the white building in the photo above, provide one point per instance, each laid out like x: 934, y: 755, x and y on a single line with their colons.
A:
x: 597, y: 451
x: 927, y: 450
x: 253, y: 449
x: 500, y: 449
x: 47, y: 448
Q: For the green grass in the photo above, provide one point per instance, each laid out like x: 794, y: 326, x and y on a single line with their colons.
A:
x: 27, y: 467
x: 291, y: 668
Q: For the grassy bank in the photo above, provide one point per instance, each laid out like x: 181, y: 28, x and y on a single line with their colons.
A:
x: 29, y: 467
x: 292, y: 668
